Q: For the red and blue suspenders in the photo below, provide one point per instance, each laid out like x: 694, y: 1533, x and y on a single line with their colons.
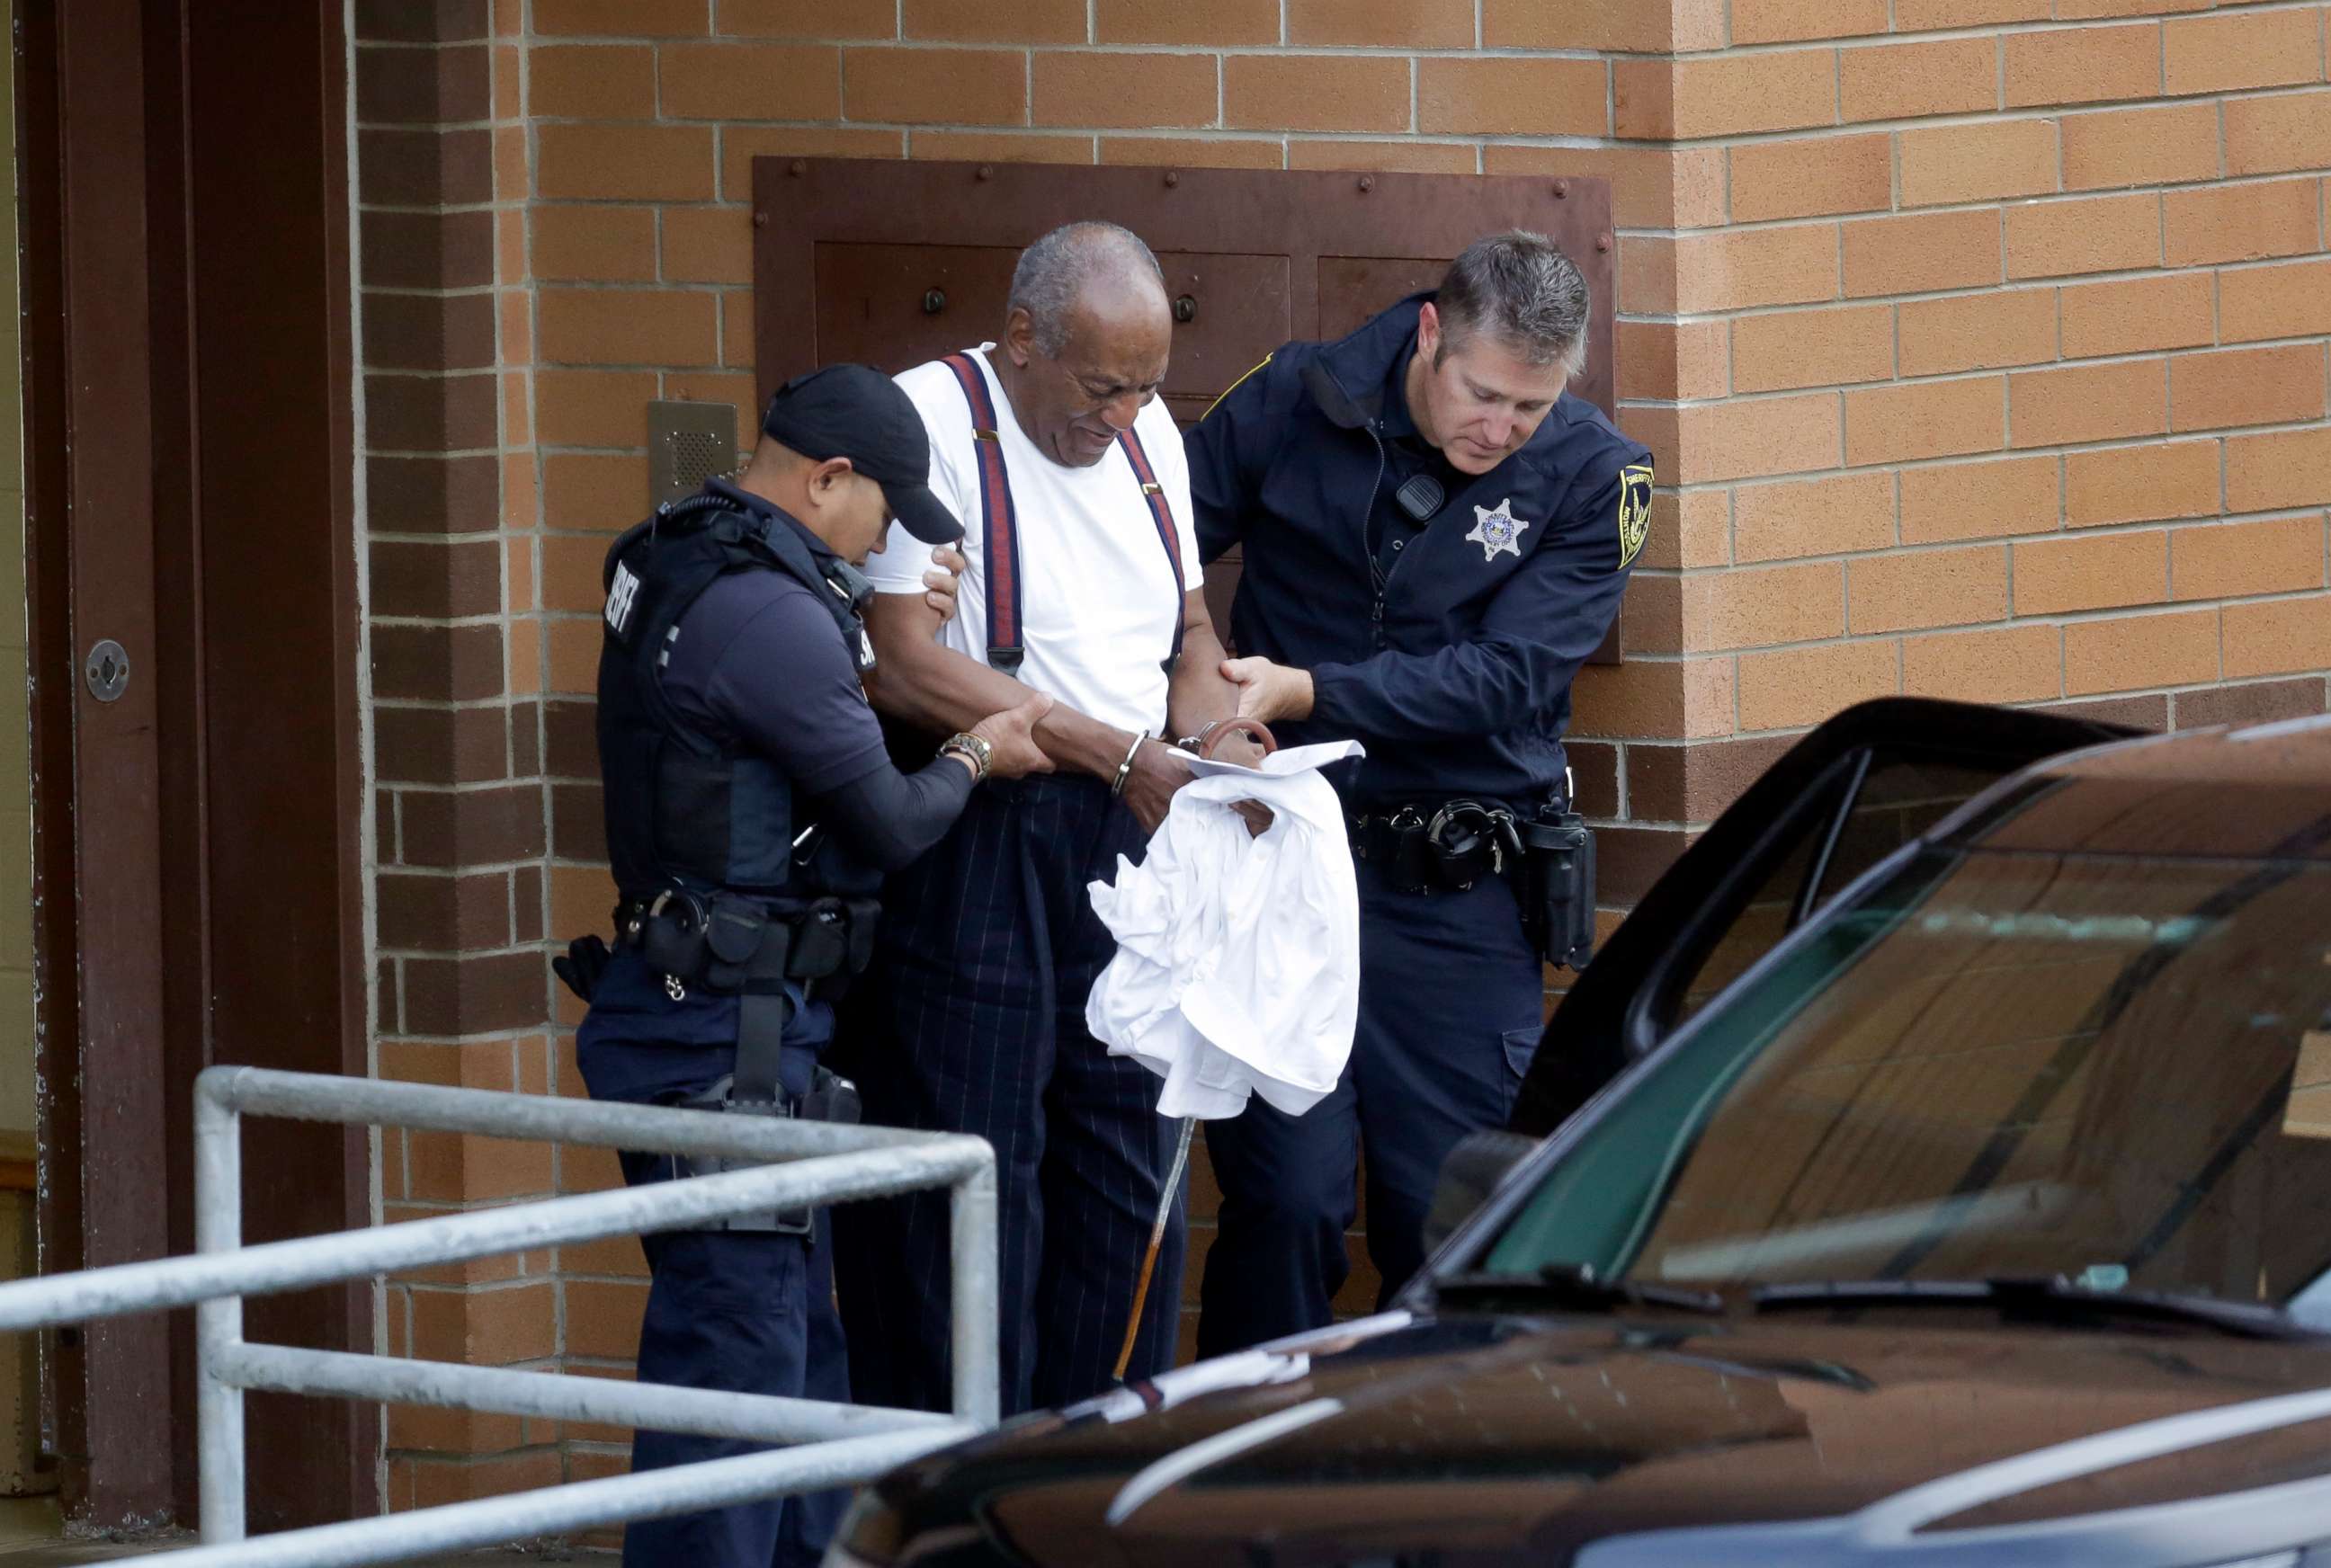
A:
x: 999, y: 530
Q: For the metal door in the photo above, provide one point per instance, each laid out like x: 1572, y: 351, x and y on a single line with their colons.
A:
x: 893, y: 263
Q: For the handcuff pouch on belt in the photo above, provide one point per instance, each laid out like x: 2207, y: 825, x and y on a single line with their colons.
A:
x: 1549, y: 859
x: 723, y: 942
x: 732, y: 945
x: 1448, y: 848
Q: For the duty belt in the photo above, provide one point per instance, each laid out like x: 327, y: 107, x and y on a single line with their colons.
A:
x: 1447, y: 847
x: 1548, y: 860
x: 733, y: 946
x: 730, y: 945
x: 676, y: 930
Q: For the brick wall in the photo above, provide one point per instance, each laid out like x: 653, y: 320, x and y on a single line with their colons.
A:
x: 1986, y: 355
x: 457, y: 741
x: 1981, y: 344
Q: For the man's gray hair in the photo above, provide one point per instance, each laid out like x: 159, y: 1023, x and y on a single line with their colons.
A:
x: 1054, y: 270
x: 1522, y: 290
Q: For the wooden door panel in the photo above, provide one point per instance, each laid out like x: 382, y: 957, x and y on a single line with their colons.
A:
x: 896, y: 306
x: 91, y: 515
x: 1239, y: 308
x: 1354, y: 288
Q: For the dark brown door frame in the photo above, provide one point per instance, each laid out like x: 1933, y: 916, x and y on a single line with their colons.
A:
x: 272, y: 478
x: 187, y: 361
x: 90, y: 516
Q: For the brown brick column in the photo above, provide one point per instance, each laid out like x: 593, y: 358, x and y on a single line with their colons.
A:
x: 457, y: 728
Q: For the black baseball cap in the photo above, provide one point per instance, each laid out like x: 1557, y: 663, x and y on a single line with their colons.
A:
x: 856, y: 411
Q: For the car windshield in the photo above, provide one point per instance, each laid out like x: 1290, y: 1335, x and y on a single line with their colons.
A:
x: 2113, y: 1070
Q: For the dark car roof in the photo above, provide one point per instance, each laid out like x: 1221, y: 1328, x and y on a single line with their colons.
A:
x: 2260, y: 792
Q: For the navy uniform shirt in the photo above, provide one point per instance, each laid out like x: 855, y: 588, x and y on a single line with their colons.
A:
x: 759, y: 665
x: 1447, y: 648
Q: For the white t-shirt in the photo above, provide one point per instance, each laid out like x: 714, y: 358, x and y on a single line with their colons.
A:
x: 1096, y: 603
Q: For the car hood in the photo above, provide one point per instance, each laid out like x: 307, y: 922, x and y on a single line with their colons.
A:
x: 1472, y: 1440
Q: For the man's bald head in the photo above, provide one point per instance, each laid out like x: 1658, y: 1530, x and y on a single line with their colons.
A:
x: 1084, y: 269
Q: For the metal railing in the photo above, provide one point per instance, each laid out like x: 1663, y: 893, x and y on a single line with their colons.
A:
x: 821, y: 1163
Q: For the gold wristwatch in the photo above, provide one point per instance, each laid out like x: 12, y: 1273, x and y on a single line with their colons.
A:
x: 982, y: 754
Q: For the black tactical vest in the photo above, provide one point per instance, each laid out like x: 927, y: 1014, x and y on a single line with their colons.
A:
x: 683, y: 810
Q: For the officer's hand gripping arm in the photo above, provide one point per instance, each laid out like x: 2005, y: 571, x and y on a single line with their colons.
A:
x: 939, y: 689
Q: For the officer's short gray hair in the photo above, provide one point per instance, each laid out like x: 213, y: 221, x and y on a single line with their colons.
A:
x: 1522, y: 290
x: 1056, y: 269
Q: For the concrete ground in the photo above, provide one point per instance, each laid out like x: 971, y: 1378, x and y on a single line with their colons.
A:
x: 61, y: 1553
x: 32, y: 1536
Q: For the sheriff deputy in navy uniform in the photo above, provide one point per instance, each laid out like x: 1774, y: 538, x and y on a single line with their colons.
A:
x: 752, y: 809
x: 1436, y: 536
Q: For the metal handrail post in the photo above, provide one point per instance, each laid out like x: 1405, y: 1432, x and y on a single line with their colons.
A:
x: 218, y: 1322
x: 976, y: 1267
x: 787, y: 1165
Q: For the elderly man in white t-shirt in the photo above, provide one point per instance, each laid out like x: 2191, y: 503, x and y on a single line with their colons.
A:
x: 1083, y: 583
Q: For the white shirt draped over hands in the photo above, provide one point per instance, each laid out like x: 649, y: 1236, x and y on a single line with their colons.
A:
x: 1237, y: 962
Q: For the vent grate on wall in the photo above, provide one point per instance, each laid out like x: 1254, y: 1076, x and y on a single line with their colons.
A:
x: 688, y: 443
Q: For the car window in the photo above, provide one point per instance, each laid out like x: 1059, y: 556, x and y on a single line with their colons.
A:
x: 1869, y: 816
x: 1899, y: 799
x: 2106, y: 1068
x: 1833, y: 805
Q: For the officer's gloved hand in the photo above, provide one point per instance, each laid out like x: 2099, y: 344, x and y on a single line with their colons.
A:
x: 584, y: 960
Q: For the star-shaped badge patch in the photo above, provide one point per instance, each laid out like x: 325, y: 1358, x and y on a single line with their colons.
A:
x: 1498, y: 530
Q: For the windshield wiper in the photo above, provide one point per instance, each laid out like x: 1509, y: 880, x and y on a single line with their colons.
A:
x: 2053, y: 1300
x: 1578, y: 1286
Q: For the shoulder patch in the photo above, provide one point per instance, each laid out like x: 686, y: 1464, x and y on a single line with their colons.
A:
x: 621, y: 596
x: 1634, y: 510
x: 1242, y: 381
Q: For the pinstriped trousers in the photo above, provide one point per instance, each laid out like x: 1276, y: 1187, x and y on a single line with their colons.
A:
x: 973, y: 1020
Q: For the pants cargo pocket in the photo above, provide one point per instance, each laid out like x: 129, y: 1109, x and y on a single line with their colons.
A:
x: 1521, y: 1049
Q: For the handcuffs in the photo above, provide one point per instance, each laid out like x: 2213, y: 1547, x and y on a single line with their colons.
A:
x: 1209, y: 739
x: 1450, y: 850
x: 1462, y: 832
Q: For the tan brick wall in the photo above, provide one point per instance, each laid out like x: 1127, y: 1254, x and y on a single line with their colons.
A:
x: 1995, y: 367
x: 1982, y: 345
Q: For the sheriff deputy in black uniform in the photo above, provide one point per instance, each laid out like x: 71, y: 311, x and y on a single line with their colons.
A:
x: 1436, y: 535
x: 752, y: 809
